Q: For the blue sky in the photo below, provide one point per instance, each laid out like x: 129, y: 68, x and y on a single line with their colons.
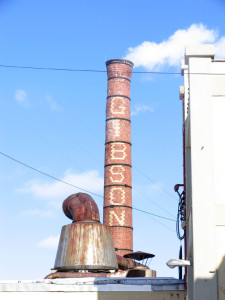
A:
x: 54, y: 121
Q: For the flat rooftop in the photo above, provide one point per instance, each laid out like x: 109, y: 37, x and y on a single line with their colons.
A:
x: 89, y: 284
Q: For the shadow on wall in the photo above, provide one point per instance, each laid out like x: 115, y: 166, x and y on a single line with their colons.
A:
x: 156, y: 295
x: 211, y: 289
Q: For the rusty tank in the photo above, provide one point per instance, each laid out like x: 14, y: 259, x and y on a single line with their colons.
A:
x: 86, y: 244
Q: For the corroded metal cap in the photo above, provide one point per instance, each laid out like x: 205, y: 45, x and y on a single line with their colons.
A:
x: 81, y: 207
x: 139, y: 255
x: 85, y: 246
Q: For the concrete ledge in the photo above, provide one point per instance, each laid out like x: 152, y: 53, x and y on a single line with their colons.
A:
x: 91, y: 284
x: 199, y: 51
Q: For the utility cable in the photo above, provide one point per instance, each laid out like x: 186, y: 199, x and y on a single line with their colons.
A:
x: 88, y: 70
x: 27, y: 126
x: 48, y: 175
x: 154, y: 182
x: 59, y: 152
x: 51, y: 69
x: 80, y: 120
x: 70, y: 184
x: 100, y: 71
x: 154, y: 215
x: 156, y: 204
x: 161, y: 223
x: 67, y: 109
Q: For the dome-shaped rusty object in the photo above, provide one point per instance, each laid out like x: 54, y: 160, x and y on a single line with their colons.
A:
x: 81, y: 207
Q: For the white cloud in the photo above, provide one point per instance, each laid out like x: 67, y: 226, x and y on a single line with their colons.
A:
x: 153, y: 56
x: 140, y: 109
x: 58, y: 191
x: 49, y: 242
x: 220, y: 48
x: 52, y: 103
x: 37, y: 212
x: 21, y: 98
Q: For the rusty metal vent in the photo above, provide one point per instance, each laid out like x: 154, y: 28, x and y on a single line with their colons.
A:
x: 139, y: 255
x: 86, y: 244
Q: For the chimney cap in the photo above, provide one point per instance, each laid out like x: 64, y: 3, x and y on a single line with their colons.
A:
x: 139, y: 255
x: 119, y: 61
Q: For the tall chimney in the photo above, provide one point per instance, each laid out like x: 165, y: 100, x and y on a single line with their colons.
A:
x: 117, y: 183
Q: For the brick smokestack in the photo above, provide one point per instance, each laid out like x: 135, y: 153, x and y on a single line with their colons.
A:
x: 117, y: 185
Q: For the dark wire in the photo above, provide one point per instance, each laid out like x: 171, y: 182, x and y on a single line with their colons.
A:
x: 101, y: 71
x: 141, y: 172
x: 156, y: 204
x: 165, y: 191
x: 83, y: 70
x: 43, y: 173
x: 51, y: 69
x: 153, y: 214
x: 62, y: 181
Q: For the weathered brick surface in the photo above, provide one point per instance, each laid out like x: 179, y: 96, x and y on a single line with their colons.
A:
x: 118, y: 195
x: 118, y: 130
x: 118, y: 216
x: 117, y: 153
x: 118, y: 107
x: 118, y: 191
x: 117, y: 175
x: 118, y: 86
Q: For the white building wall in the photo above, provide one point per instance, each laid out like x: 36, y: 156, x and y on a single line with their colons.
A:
x: 204, y: 97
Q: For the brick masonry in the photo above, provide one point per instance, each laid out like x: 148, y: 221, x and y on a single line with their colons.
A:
x: 118, y: 184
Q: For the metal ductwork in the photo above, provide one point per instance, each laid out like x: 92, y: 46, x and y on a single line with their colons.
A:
x: 86, y: 244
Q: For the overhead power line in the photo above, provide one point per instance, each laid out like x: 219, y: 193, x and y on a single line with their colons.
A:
x: 156, y: 220
x: 80, y: 70
x: 77, y: 187
x: 165, y: 191
x: 156, y: 204
x: 48, y: 175
x: 52, y: 69
x: 146, y: 212
x: 100, y: 71
x: 89, y: 70
x: 141, y: 172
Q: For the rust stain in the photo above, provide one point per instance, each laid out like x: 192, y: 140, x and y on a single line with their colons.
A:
x: 81, y: 207
x: 86, y: 246
x: 128, y: 263
x: 73, y: 275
